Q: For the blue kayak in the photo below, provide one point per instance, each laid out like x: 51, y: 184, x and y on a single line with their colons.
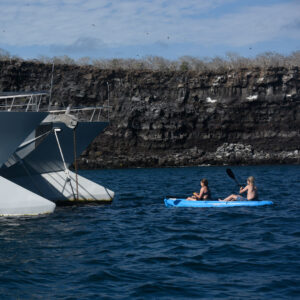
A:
x: 175, y: 202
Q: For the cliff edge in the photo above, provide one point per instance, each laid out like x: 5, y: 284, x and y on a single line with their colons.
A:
x: 172, y: 118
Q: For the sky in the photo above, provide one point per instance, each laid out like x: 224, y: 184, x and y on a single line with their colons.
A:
x: 139, y: 28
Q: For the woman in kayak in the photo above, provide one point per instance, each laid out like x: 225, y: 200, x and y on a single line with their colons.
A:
x: 251, y: 192
x: 204, y: 193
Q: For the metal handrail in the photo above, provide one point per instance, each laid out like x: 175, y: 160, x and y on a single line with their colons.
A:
x: 19, y: 95
x: 33, y: 102
x: 26, y: 101
x: 77, y: 110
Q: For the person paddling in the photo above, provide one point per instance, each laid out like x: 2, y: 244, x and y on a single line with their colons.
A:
x: 204, y: 193
x: 251, y: 189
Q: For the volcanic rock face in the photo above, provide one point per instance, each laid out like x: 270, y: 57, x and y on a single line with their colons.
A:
x: 246, y: 116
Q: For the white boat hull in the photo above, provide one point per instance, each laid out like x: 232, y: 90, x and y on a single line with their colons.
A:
x: 16, y: 200
x: 56, y: 187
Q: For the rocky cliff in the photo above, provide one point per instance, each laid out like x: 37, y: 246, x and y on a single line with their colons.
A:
x: 165, y: 118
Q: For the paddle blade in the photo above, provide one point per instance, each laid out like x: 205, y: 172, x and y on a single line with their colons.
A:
x: 230, y: 173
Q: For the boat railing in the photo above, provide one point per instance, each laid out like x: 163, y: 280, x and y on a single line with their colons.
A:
x: 23, y: 101
x: 39, y: 102
x: 90, y: 114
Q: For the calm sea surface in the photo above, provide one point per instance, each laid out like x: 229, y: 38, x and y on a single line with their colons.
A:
x: 137, y: 248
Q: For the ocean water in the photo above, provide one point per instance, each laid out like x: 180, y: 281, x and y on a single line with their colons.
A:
x: 136, y: 248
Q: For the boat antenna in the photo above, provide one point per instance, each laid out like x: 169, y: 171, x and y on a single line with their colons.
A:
x: 108, y: 99
x: 51, y: 85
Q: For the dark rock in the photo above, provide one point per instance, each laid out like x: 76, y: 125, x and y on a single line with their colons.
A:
x: 177, y: 118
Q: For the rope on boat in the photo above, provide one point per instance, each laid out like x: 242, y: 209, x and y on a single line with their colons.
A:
x: 75, y: 161
x: 68, y: 177
x: 26, y: 143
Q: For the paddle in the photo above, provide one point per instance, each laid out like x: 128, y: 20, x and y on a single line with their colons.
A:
x: 231, y: 175
x: 175, y: 197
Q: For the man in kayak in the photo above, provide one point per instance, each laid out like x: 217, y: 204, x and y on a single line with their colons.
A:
x: 204, y: 193
x: 251, y: 189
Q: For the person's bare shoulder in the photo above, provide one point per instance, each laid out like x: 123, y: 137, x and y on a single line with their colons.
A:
x: 252, y: 188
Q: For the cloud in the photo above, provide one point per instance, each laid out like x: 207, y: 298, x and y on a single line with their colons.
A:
x: 81, y: 45
x: 75, y: 25
x: 255, y: 24
x: 162, y: 44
